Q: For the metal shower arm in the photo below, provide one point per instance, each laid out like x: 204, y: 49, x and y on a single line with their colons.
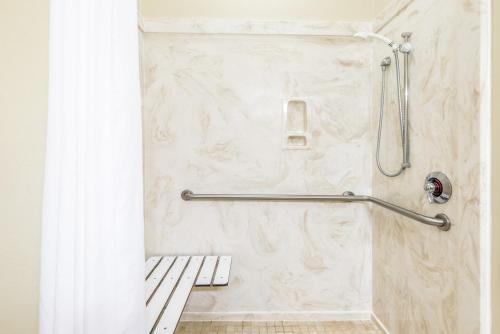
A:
x: 441, y: 221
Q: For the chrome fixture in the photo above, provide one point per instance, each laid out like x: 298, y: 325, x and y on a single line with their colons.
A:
x: 441, y: 221
x: 366, y: 35
x: 438, y: 188
x: 403, y: 104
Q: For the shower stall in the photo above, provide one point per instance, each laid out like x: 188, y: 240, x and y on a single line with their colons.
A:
x: 276, y: 126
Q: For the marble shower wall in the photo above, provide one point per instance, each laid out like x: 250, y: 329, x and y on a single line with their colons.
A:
x: 424, y: 280
x: 213, y: 122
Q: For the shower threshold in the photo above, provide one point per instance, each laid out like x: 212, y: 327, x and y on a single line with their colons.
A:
x: 278, y: 327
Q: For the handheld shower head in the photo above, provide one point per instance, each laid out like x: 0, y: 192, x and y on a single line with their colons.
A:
x: 366, y: 35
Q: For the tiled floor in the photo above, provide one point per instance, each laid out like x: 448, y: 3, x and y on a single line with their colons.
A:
x: 278, y: 327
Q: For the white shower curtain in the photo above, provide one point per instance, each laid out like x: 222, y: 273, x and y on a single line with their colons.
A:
x: 92, y: 274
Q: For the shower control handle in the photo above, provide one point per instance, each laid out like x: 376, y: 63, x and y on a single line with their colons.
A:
x: 431, y: 188
x: 438, y: 188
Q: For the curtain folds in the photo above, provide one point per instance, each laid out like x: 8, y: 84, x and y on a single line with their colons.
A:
x: 92, y: 270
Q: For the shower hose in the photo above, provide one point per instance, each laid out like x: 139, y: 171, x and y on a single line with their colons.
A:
x: 385, y: 63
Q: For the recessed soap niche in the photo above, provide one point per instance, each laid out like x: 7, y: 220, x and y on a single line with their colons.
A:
x: 296, y: 124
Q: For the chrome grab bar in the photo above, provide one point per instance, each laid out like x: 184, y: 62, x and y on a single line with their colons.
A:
x: 441, y: 221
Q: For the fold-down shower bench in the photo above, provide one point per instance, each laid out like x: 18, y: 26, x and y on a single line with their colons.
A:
x: 169, y: 281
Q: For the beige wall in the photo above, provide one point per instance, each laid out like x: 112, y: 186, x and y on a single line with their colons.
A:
x: 260, y: 9
x: 23, y: 107
x: 426, y: 280
x: 378, y: 5
x: 231, y: 89
x: 496, y: 168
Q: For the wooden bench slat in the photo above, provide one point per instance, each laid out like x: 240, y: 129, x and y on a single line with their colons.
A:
x: 162, y: 294
x: 221, y: 277
x: 157, y: 275
x: 151, y: 264
x: 173, y: 311
x: 207, y: 271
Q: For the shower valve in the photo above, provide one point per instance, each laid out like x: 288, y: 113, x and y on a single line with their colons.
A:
x: 438, y: 188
